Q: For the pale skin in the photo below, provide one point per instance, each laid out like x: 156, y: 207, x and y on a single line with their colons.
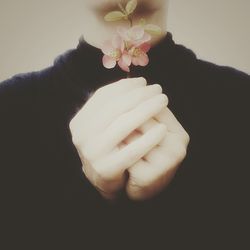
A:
x: 128, y: 139
x: 154, y: 11
x: 126, y: 126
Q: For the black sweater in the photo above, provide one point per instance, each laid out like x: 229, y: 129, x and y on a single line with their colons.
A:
x: 46, y: 201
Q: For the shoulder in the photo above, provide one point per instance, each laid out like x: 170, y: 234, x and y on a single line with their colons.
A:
x: 222, y: 78
x: 213, y: 97
x: 219, y: 86
x: 208, y: 74
x: 203, y: 80
x: 23, y: 87
x: 23, y: 97
x: 229, y: 89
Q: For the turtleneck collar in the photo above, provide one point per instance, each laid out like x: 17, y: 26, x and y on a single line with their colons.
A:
x: 82, y: 67
x: 167, y: 40
x: 94, y: 55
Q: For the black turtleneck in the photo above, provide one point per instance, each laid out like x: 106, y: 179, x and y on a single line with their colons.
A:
x: 46, y: 201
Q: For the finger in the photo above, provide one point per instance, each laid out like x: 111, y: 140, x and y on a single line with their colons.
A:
x: 139, y: 132
x: 166, y: 117
x: 104, y: 93
x: 143, y: 129
x: 170, y: 155
x: 173, y: 125
x: 146, y: 126
x: 144, y: 182
x: 122, y: 104
x: 115, y: 164
x: 131, y: 137
x: 88, y: 120
x: 135, y: 186
x: 109, y: 188
x: 125, y: 124
x: 162, y: 165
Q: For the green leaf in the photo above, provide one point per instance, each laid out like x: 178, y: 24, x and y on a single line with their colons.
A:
x: 153, y: 29
x: 114, y: 16
x: 131, y: 6
x: 122, y: 8
x: 142, y: 22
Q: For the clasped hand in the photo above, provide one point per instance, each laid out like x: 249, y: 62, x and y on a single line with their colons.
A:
x: 127, y: 138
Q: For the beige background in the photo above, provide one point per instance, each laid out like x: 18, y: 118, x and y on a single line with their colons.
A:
x: 34, y: 32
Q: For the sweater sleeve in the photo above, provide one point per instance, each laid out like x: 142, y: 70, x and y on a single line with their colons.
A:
x: 35, y: 145
x: 19, y: 128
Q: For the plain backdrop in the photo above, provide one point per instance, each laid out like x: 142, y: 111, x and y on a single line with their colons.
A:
x: 34, y: 32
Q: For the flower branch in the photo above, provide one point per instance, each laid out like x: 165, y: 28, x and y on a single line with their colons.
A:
x: 129, y: 46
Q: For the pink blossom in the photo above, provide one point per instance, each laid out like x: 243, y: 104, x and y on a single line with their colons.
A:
x: 139, y: 54
x: 114, y: 52
x: 134, y: 36
x: 129, y: 46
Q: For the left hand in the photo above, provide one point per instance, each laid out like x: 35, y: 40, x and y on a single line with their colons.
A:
x: 154, y: 171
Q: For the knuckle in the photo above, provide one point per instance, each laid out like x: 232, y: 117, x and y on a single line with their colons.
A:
x: 72, y: 125
x: 143, y: 80
x: 186, y: 137
x: 76, y: 141
x: 146, y: 184
x: 134, y: 192
x: 183, y: 152
x: 141, y: 180
x: 179, y: 152
x: 87, y: 150
x: 74, y: 136
x: 138, y: 183
x: 164, y: 98
x: 158, y: 87
x: 103, y: 175
x: 138, y: 188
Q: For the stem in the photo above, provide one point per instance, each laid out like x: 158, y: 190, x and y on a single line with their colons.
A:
x: 130, y: 21
x: 131, y: 25
x: 129, y: 73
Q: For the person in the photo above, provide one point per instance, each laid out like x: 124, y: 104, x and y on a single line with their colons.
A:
x: 74, y: 135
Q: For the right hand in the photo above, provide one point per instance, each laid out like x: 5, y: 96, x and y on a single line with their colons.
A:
x: 112, y: 114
